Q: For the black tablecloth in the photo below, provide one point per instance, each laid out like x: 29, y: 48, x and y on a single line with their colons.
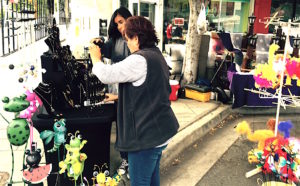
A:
x: 243, y: 97
x: 94, y: 126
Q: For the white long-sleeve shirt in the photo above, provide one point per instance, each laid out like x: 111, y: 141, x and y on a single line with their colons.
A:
x: 131, y: 69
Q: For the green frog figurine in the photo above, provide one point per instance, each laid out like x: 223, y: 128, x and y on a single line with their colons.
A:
x: 18, y: 129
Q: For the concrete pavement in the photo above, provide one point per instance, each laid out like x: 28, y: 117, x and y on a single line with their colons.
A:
x: 195, y: 119
x: 212, y: 114
x: 194, y: 162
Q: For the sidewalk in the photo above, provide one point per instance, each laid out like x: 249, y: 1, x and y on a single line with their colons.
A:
x: 195, y: 120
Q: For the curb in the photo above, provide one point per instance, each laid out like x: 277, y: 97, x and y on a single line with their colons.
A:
x: 199, y: 116
x: 193, y: 132
x: 266, y: 110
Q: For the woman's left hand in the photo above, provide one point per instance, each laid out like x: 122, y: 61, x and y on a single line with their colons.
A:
x: 95, y: 53
x: 110, y: 97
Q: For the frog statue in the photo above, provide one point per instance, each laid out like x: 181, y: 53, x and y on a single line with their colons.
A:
x: 74, y: 161
x: 18, y: 129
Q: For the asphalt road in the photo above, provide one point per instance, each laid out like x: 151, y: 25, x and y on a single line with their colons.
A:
x: 230, y: 169
x: 207, y: 163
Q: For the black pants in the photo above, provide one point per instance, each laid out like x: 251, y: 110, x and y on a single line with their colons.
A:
x: 124, y: 155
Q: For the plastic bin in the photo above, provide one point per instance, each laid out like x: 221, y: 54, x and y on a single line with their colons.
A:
x: 199, y: 93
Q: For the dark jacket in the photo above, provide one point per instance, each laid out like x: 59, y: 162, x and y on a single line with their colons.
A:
x: 115, y: 50
x: 145, y: 118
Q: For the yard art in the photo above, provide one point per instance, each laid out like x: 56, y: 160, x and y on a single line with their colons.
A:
x: 74, y: 161
x: 273, y: 73
x: 58, y: 133
x: 17, y: 130
x: 276, y: 155
x: 35, y: 174
x: 102, y: 177
x: 267, y: 75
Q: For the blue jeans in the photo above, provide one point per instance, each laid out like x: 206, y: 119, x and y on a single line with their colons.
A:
x: 144, y: 167
x: 124, y: 155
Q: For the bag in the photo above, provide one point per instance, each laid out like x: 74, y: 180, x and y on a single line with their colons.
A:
x: 222, y: 96
x: 201, y: 22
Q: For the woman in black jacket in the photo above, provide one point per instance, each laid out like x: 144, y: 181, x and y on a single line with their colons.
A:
x: 116, y: 49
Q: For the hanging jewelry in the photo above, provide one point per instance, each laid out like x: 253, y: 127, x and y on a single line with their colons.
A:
x: 50, y: 104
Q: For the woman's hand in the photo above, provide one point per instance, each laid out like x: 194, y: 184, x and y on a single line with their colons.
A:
x: 95, y: 53
x: 95, y: 40
x: 98, y: 41
x: 110, y: 97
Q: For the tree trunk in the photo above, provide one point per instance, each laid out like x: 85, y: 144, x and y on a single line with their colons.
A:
x: 193, y: 40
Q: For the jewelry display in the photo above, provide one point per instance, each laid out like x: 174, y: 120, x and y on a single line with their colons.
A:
x: 72, y: 83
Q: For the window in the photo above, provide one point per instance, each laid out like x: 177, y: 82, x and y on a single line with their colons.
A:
x: 124, y: 3
x: 148, y: 11
x: 230, y: 16
x: 176, y: 13
x: 64, y: 13
x: 135, y: 9
x: 289, y: 9
x: 22, y: 23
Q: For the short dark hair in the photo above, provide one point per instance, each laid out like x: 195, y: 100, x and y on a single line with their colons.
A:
x: 143, y: 29
x: 113, y: 31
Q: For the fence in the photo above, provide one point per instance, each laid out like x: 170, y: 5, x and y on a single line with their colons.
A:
x: 22, y: 22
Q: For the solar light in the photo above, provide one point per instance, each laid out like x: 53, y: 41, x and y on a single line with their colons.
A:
x: 251, y: 22
x: 296, y: 42
x: 252, y: 19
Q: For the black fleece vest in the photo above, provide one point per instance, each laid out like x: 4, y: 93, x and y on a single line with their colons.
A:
x: 145, y: 117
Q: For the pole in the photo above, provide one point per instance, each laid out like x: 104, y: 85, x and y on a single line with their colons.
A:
x: 220, y: 8
x: 282, y: 76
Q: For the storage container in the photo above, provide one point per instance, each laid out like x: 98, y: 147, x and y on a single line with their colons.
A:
x: 199, y: 93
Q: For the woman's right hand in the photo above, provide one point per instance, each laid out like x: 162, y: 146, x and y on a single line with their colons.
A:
x: 95, y: 53
x: 96, y: 40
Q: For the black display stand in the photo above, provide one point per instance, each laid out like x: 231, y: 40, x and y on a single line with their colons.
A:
x: 94, y: 126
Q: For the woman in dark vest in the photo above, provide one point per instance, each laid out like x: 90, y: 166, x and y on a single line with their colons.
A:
x: 146, y: 122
